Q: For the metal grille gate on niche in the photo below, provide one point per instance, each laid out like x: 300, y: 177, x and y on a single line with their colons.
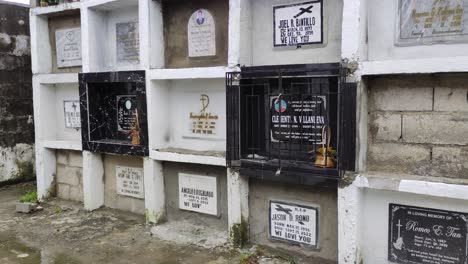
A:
x: 293, y: 123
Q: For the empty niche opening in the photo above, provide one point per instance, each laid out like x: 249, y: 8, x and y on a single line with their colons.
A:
x: 114, y: 37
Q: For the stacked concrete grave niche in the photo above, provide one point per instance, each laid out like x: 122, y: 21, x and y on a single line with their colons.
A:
x: 258, y: 50
x: 56, y: 60
x: 190, y: 157
x: 418, y: 125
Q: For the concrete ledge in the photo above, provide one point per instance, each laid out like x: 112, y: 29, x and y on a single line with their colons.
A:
x: 49, y: 10
x: 56, y: 78
x: 62, y: 144
x: 414, y: 66
x: 454, y: 189
x: 187, y: 158
x: 107, y: 5
x: 187, y: 73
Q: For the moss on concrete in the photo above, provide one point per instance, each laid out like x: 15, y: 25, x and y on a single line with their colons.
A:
x: 347, y: 180
x: 239, y: 234
x: 153, y: 217
x: 25, y: 171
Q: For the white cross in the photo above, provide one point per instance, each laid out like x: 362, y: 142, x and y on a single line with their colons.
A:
x: 399, y: 225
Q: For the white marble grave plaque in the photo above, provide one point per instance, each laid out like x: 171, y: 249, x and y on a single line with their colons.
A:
x: 298, y: 24
x: 201, y: 30
x: 203, y: 122
x: 432, y: 21
x: 68, y: 47
x: 128, y: 42
x: 198, y: 193
x: 72, y: 114
x: 294, y: 223
x: 130, y: 181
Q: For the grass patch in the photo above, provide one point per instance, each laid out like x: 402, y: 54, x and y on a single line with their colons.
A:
x: 58, y: 209
x: 29, y: 197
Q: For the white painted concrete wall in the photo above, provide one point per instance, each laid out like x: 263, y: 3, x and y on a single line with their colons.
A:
x: 68, y: 92
x: 52, y: 112
x: 264, y: 53
x: 381, y: 33
x: 172, y: 102
x: 99, y: 27
x: 41, y: 51
x: 124, y: 15
x: 374, y: 218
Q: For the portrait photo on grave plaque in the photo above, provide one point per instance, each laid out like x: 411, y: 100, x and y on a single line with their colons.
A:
x: 423, y: 235
x: 68, y: 47
x: 201, y: 30
x: 298, y: 118
x: 298, y: 24
x: 128, y: 42
x: 293, y: 223
x: 431, y: 21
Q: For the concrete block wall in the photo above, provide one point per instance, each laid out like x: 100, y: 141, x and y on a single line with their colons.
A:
x: 16, y: 109
x: 69, y: 181
x: 418, y: 124
x: 111, y: 198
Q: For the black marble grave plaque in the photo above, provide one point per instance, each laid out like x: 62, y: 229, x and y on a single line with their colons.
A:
x: 423, y: 235
x: 298, y: 118
x: 126, y: 112
x: 113, y: 112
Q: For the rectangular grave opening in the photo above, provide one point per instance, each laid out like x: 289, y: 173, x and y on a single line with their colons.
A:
x: 189, y: 117
x: 57, y: 43
x: 291, y: 123
x: 60, y: 110
x: 114, y: 36
x: 195, y: 33
x: 65, y: 39
x: 114, y: 111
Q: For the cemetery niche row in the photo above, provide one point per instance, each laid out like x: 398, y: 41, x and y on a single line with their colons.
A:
x: 293, y: 123
x: 113, y: 111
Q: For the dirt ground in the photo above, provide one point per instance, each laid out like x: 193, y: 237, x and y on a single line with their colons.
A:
x: 65, y: 233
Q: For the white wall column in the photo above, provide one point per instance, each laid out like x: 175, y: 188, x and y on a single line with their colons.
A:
x: 354, y: 25
x: 238, y: 205
x: 93, y: 180
x: 46, y: 167
x: 348, y: 225
x: 239, y: 33
x: 155, y: 199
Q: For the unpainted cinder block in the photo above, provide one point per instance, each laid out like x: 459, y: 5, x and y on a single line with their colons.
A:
x: 401, y: 93
x: 450, y: 162
x: 436, y: 128
x: 385, y: 127
x: 452, y: 93
x: 63, y: 191
x: 76, y: 194
x: 69, y: 175
x: 62, y: 157
x: 75, y: 159
x: 396, y: 157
